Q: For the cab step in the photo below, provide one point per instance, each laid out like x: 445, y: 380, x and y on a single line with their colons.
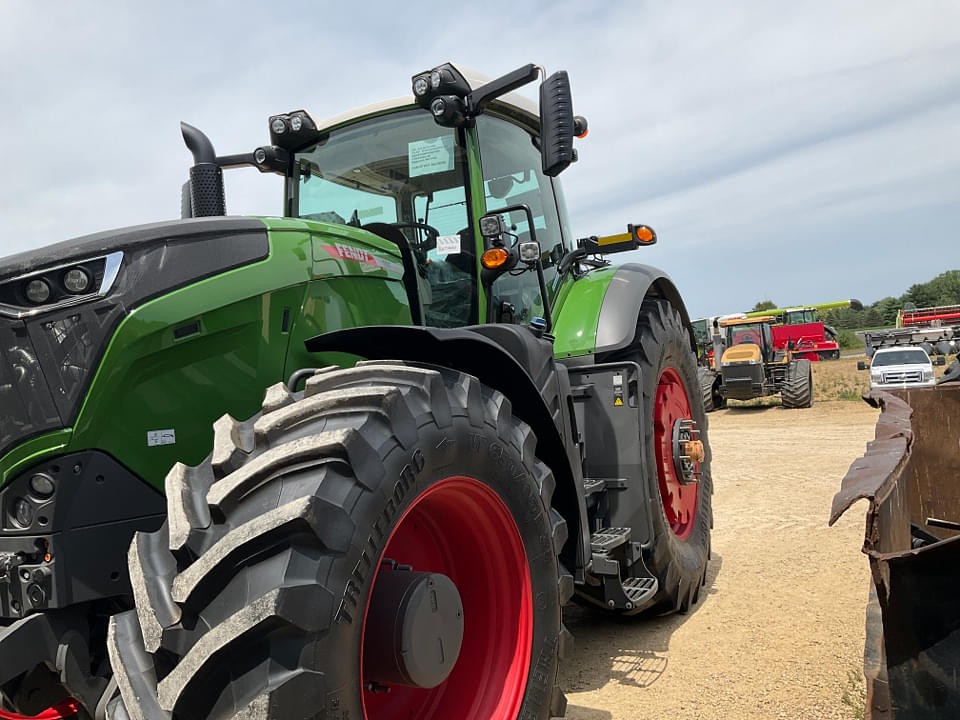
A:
x: 607, y: 539
x: 640, y: 589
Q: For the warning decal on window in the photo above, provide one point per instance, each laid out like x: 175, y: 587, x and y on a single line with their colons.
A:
x: 447, y: 244
x: 430, y: 156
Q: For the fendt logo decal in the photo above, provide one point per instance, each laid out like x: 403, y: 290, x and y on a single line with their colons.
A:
x: 351, y: 252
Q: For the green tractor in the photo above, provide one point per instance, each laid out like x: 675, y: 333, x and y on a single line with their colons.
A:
x: 407, y: 422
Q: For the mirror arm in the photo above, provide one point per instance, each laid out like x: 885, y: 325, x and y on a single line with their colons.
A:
x: 547, y: 314
x: 478, y: 100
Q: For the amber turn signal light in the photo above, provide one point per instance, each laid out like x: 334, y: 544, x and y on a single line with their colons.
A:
x: 644, y: 234
x: 494, y: 258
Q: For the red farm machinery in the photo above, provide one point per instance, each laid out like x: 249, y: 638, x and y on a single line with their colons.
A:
x: 935, y: 329
x: 812, y: 339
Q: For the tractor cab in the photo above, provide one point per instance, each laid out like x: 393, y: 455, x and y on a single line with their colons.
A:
x: 748, y: 339
x: 423, y: 186
x: 459, y: 178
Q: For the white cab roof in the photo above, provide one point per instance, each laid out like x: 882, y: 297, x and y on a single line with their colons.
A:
x: 520, y: 105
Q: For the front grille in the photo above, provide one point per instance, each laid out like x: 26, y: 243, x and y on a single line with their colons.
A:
x: 902, y: 376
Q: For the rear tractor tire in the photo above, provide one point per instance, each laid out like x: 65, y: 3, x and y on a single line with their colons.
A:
x: 797, y: 390
x: 683, y: 517
x: 383, y: 546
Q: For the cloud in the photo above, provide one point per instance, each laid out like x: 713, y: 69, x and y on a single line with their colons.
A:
x: 741, y: 132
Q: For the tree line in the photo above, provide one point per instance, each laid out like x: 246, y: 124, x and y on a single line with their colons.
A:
x: 944, y: 289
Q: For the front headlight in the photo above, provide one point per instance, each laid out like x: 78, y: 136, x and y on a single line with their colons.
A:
x: 876, y: 377
x: 928, y: 373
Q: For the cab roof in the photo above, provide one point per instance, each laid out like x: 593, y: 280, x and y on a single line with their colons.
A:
x: 511, y: 104
x: 746, y: 321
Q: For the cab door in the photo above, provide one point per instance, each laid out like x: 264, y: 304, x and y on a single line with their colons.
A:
x: 511, y: 169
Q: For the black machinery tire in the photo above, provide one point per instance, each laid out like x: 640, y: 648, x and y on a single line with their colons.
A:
x: 680, y: 565
x: 252, y: 598
x: 707, y: 380
x: 797, y: 390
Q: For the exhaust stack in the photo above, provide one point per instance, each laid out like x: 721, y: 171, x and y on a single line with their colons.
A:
x: 206, y: 178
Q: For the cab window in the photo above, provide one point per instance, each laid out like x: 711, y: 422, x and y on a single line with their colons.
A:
x: 512, y: 176
x: 405, y: 171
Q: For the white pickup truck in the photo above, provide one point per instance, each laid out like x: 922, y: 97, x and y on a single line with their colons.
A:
x: 901, y: 367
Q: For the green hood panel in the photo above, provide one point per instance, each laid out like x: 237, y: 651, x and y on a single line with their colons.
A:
x: 179, y: 362
x: 577, y: 313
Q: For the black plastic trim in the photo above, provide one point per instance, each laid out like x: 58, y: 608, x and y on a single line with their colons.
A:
x: 631, y: 283
x: 86, y: 526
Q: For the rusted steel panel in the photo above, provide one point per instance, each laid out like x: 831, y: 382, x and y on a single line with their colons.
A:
x: 910, y: 474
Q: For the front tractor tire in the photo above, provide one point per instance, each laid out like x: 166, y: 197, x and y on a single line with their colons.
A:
x: 797, y: 390
x: 709, y: 390
x: 682, y: 516
x: 382, y: 547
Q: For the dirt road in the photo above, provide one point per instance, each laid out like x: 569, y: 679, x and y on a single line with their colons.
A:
x: 781, y: 627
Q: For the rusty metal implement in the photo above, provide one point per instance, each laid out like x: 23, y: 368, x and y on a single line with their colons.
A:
x: 910, y: 474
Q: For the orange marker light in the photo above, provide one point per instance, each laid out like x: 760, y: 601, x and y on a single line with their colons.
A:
x: 583, y: 134
x: 644, y: 234
x: 494, y: 258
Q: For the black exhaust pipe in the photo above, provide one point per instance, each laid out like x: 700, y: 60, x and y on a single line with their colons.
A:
x: 206, y: 178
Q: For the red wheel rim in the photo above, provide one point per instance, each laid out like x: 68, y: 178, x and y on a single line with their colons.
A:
x: 61, y: 711
x: 679, y: 501
x: 459, y: 527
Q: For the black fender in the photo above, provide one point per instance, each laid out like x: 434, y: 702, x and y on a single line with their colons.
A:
x: 630, y: 285
x: 514, y: 361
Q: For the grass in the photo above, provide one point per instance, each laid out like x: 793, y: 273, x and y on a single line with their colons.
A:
x: 839, y: 379
x: 855, y: 694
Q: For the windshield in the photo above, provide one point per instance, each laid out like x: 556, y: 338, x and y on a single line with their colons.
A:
x: 406, y: 171
x: 796, y: 317
x: 745, y: 333
x: 900, y: 357
x: 700, y: 331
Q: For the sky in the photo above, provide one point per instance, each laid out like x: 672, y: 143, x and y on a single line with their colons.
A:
x: 796, y: 152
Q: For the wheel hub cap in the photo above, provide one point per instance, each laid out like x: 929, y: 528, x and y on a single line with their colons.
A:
x: 687, y: 450
x: 414, y: 629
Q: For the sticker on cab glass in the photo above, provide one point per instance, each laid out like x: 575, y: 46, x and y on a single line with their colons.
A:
x: 430, y: 156
x: 447, y: 244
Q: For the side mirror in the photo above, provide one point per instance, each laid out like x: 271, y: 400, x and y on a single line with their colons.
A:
x: 556, y: 124
x: 941, y: 360
x: 861, y: 365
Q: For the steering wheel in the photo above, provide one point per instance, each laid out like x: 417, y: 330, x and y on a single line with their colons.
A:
x: 431, y: 232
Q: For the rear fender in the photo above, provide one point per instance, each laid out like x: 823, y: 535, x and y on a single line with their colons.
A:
x: 599, y: 312
x: 509, y: 359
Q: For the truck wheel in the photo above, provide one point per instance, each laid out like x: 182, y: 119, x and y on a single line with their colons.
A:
x: 382, y: 547
x: 797, y: 391
x: 683, y: 517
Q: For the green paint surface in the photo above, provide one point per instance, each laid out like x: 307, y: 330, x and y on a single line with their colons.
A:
x: 251, y: 322
x: 577, y: 312
x: 30, y: 452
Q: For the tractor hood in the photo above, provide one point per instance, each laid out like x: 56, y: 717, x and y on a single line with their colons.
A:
x: 129, y: 238
x: 743, y: 353
x: 50, y: 347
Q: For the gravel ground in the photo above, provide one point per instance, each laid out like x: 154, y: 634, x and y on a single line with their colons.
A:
x: 780, y: 631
